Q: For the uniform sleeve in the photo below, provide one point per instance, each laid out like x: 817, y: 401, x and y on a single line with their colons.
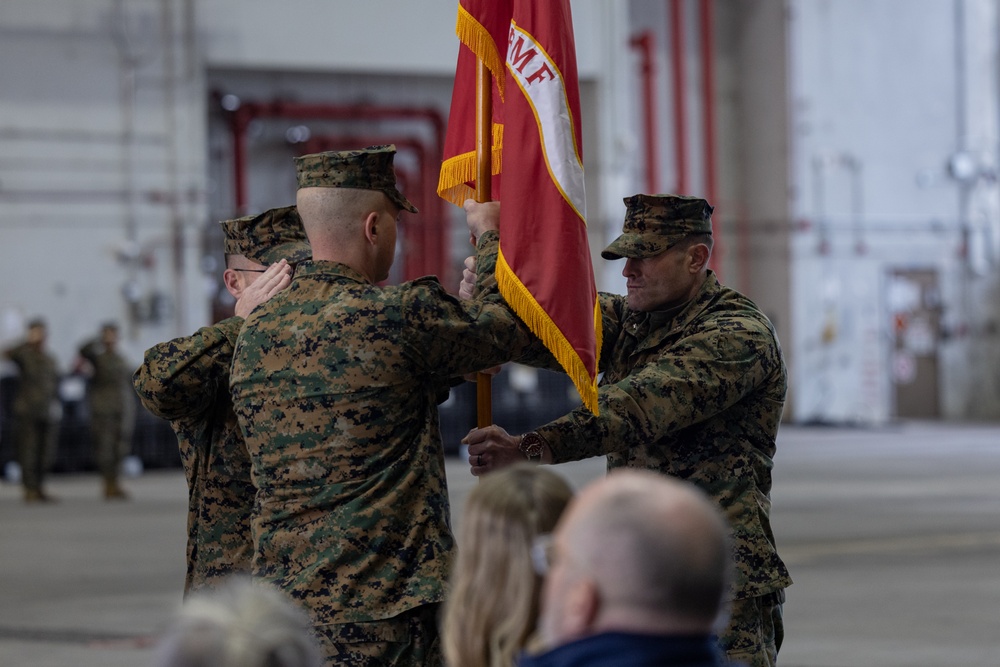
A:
x: 15, y: 354
x: 534, y: 353
x: 447, y: 336
x: 90, y: 351
x: 539, y: 356
x: 180, y: 378
x: 689, y: 382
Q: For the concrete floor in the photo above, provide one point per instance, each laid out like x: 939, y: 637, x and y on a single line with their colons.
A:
x: 892, y: 536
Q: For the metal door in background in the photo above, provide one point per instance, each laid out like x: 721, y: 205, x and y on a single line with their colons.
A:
x: 914, y: 304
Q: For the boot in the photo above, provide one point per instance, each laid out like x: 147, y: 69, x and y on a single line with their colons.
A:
x: 32, y: 496
x: 114, y: 492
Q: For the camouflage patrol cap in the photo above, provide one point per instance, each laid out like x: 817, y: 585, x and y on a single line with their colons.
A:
x: 268, y: 237
x: 366, y: 169
x: 653, y: 223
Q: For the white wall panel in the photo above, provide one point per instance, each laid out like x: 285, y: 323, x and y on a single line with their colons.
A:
x: 378, y: 36
x: 836, y: 123
x: 883, y: 95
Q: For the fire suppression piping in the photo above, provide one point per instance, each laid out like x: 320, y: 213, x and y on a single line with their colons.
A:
x: 677, y: 62
x: 643, y: 43
x: 435, y: 249
x: 706, y: 17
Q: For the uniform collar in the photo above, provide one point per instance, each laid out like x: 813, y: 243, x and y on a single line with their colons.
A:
x: 320, y: 267
x: 636, y: 650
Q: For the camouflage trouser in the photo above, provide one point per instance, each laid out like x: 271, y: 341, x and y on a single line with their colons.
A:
x: 755, y: 631
x: 107, y: 437
x: 408, y: 640
x: 35, y: 440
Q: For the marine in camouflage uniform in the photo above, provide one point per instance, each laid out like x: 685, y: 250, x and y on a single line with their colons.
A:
x: 106, y: 396
x: 695, y: 391
x: 34, y: 425
x: 186, y: 380
x: 335, y: 383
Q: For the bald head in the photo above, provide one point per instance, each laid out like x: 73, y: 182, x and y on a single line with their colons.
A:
x: 337, y: 215
x: 352, y: 226
x: 651, y: 550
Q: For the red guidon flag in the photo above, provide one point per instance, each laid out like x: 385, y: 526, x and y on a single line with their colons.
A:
x: 544, y: 270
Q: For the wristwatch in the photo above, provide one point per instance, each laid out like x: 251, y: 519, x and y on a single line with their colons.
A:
x: 532, y: 445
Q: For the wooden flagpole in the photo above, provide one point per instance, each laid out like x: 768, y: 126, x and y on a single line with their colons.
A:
x: 484, y: 180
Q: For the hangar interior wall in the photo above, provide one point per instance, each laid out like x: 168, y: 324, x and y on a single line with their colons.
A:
x: 856, y: 146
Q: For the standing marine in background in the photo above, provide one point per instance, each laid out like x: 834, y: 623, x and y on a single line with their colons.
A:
x: 186, y: 380
x: 34, y: 409
x: 106, y: 395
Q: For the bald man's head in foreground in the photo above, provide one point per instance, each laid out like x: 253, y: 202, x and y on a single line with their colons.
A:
x: 635, y: 552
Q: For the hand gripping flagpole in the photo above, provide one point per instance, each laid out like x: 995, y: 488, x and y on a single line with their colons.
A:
x: 484, y: 178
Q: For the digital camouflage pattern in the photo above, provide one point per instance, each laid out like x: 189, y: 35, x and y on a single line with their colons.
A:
x: 106, y: 395
x: 695, y: 393
x: 410, y: 639
x: 335, y: 383
x: 38, y: 381
x: 109, y: 381
x: 34, y: 427
x: 697, y: 396
x: 186, y: 381
x: 756, y: 631
x: 231, y: 228
x: 653, y: 223
x: 266, y: 238
x: 364, y: 169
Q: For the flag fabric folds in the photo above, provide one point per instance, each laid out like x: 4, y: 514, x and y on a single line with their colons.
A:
x: 544, y: 270
x: 482, y: 29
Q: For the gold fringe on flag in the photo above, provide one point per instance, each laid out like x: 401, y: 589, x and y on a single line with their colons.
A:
x: 460, y: 170
x: 520, y: 299
x: 472, y: 33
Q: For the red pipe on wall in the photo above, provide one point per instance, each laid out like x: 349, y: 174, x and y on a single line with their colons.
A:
x: 643, y: 43
x: 248, y: 111
x: 238, y: 131
x: 680, y: 93
x: 435, y: 240
x: 707, y: 20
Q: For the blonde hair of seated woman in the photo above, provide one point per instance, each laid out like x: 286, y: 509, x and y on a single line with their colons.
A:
x: 492, y: 606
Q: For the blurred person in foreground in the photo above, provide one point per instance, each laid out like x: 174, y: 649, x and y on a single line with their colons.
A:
x: 637, y: 571
x: 492, y: 605
x: 107, y: 391
x: 336, y: 383
x: 186, y: 381
x: 693, y: 387
x: 238, y: 624
x: 35, y: 410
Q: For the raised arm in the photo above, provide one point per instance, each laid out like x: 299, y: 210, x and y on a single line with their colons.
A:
x: 180, y: 378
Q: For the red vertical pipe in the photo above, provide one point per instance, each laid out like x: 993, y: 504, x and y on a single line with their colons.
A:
x: 433, y: 232
x: 680, y: 86
x: 707, y: 20
x: 644, y: 44
x: 238, y: 125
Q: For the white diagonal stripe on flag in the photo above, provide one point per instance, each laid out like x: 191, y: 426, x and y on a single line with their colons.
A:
x: 540, y: 80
